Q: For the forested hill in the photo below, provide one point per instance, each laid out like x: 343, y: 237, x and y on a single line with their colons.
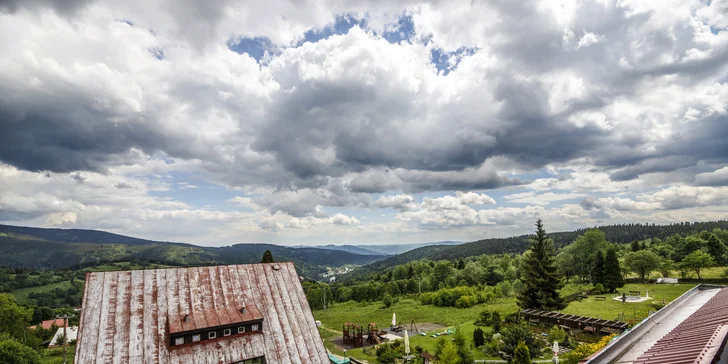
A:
x: 77, y: 248
x: 620, y: 234
x: 74, y: 235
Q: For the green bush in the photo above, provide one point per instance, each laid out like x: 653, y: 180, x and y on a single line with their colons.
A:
x: 12, y: 351
x: 387, y: 300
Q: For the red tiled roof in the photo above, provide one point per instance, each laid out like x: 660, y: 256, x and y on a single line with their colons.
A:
x: 699, y: 338
x: 127, y: 315
x: 47, y: 324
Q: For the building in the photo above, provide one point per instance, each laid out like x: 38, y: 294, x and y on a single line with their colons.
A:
x: 253, y: 313
x: 48, y: 324
x: 691, y: 329
x: 71, y: 334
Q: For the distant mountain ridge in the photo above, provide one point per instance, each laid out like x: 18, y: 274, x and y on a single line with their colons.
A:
x: 384, y: 249
x: 38, y: 248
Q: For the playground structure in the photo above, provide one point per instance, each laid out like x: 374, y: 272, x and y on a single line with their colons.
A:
x: 357, y: 336
x: 353, y: 334
x: 373, y: 337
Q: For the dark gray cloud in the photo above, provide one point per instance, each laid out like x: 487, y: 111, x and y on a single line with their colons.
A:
x: 589, y: 203
x: 68, y: 137
x: 65, y: 7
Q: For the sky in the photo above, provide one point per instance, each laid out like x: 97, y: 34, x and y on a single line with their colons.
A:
x: 361, y: 122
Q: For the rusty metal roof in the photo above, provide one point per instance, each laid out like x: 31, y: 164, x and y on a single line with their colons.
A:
x: 698, y: 339
x: 127, y: 315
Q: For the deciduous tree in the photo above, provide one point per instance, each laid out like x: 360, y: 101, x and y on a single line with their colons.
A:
x: 697, y: 260
x: 13, y: 318
x: 11, y: 351
x: 642, y: 262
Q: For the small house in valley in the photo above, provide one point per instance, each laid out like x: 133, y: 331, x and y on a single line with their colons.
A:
x: 71, y: 334
x: 252, y: 313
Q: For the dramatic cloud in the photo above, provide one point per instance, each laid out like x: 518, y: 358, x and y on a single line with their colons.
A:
x: 341, y: 120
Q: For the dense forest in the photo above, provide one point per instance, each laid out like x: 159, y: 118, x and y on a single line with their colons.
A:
x: 467, y: 281
x: 619, y: 234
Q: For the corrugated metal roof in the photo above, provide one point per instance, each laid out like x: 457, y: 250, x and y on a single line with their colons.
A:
x: 126, y: 315
x: 698, y: 339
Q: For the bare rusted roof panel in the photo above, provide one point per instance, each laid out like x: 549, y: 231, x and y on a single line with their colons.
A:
x: 127, y: 316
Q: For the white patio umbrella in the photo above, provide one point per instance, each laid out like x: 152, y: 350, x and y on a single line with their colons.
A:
x: 394, y: 319
x: 556, y: 352
x: 406, y: 343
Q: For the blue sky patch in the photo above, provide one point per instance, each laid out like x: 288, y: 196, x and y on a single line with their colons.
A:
x: 403, y: 30
x: 341, y: 25
x: 254, y: 47
x: 195, y: 190
x: 448, y: 61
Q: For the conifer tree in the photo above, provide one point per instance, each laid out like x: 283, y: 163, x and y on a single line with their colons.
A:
x: 635, y: 246
x: 541, y: 282
x: 267, y: 257
x: 612, y: 272
x: 521, y: 355
x: 598, y: 273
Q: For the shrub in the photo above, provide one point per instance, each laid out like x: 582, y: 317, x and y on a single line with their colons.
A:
x: 387, y: 300
x: 557, y: 334
x: 584, y: 350
x: 478, y: 337
x: 465, y: 302
x: 513, y: 335
x: 496, y: 321
x: 521, y: 355
x: 483, y: 318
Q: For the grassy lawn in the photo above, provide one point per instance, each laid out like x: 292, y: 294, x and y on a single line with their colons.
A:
x: 21, y: 295
x: 55, y: 355
x: 406, y: 310
x: 712, y: 272
x: 410, y: 309
x: 610, y: 309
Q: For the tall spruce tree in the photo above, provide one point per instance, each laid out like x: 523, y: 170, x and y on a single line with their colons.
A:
x: 267, y: 257
x: 635, y: 246
x: 598, y: 273
x: 541, y: 282
x: 612, y: 272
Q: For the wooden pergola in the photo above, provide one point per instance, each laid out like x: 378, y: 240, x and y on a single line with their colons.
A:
x: 589, y: 324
